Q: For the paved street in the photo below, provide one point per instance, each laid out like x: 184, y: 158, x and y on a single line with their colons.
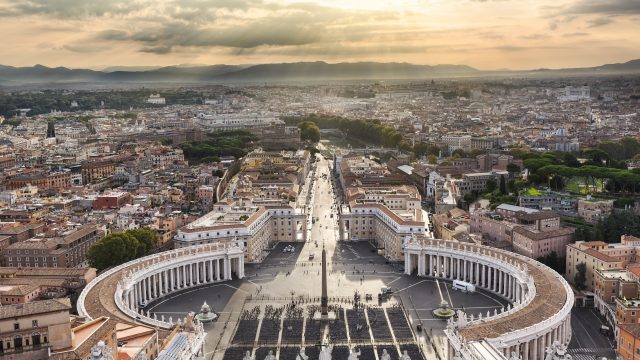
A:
x: 587, y: 341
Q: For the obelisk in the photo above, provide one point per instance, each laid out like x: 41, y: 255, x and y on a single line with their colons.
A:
x: 324, y: 300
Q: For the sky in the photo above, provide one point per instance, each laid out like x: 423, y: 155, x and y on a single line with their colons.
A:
x: 485, y: 34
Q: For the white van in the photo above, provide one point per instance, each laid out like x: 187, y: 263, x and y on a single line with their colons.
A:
x: 463, y: 286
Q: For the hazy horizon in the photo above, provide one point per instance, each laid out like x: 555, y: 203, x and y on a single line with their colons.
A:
x: 483, y: 34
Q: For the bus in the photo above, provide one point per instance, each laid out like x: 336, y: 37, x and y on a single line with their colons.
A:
x: 463, y: 286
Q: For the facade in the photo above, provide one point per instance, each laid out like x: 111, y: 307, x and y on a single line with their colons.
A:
x: 112, y: 200
x: 236, y: 121
x: 551, y: 200
x: 593, y: 211
x: 68, y: 249
x: 28, y: 331
x: 41, y: 180
x: 478, y: 181
x: 258, y: 228
x: 384, y: 216
x: 629, y: 342
x: 97, y: 170
x: 597, y: 255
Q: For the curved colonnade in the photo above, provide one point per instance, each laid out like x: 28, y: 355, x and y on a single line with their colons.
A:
x: 539, y: 314
x: 141, y: 281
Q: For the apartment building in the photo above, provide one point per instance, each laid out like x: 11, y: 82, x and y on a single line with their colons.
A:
x: 597, y: 255
x: 67, y: 248
x: 592, y: 211
x: 386, y: 216
x: 28, y: 331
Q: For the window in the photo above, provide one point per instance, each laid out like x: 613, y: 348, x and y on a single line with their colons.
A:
x: 16, y: 326
x: 34, y: 323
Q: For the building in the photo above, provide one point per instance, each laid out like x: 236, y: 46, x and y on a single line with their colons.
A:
x: 42, y: 180
x: 597, y: 255
x: 97, y: 170
x: 30, y: 330
x: 257, y: 228
x: 479, y: 181
x: 237, y: 121
x: 385, y: 216
x: 67, y: 249
x: 156, y: 99
x: 112, y: 200
x: 529, y: 232
x: 448, y: 224
x: 548, y: 200
x: 629, y: 342
x: 592, y: 211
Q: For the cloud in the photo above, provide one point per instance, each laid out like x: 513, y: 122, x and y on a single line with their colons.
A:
x: 609, y: 7
x: 85, y: 48
x: 535, y: 36
x: 576, y: 34
x: 68, y: 9
x: 599, y: 22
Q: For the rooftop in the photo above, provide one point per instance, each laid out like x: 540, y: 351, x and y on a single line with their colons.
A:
x: 33, y: 308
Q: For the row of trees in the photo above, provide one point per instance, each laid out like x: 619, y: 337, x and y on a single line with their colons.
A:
x: 234, y: 143
x: 116, y: 249
x: 371, y: 131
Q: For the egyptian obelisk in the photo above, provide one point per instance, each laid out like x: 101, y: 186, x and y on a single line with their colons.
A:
x: 324, y: 300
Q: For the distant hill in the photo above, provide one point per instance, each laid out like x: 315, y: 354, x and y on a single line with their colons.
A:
x: 298, y: 71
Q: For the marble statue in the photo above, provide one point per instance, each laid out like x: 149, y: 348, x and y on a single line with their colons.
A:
x: 353, y: 355
x: 385, y: 355
x: 405, y: 356
x: 270, y: 356
x: 247, y: 356
x: 302, y: 355
x: 325, y: 353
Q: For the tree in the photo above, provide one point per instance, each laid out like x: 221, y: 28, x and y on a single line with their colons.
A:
x: 513, y: 168
x: 432, y: 159
x: 147, y: 238
x: 580, y: 278
x: 554, y: 261
x: 491, y: 185
x: 113, y: 250
x: 503, y: 185
x: 309, y: 131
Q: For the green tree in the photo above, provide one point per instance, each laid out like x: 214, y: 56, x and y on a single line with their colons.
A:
x: 503, y: 185
x: 513, y: 168
x: 113, y: 250
x: 309, y: 131
x: 432, y: 159
x: 554, y: 261
x: 580, y: 278
x: 146, y: 237
x: 491, y: 185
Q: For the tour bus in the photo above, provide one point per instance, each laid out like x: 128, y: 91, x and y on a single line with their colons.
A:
x: 464, y: 286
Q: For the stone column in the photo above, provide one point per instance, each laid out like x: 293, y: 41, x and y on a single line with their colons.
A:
x: 241, y: 266
x: 438, y: 267
x: 407, y: 262
x: 459, y: 268
x: 535, y: 349
x: 526, y: 351
x: 464, y: 272
x: 217, y: 269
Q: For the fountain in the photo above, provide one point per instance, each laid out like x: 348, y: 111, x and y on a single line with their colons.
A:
x: 206, y: 315
x: 444, y: 311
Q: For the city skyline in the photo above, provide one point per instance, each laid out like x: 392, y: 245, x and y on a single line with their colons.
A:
x: 487, y: 35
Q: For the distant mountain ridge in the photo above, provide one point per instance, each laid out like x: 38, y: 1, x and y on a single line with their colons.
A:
x: 296, y: 71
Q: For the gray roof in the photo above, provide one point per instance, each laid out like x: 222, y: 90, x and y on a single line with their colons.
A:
x: 508, y: 207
